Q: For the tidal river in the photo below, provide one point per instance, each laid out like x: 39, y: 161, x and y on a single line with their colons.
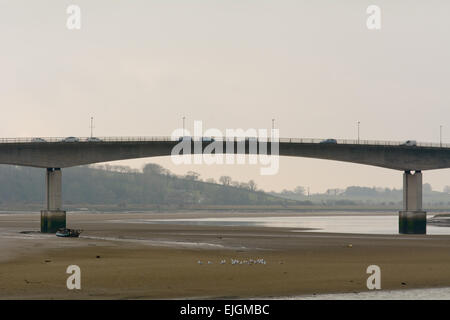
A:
x: 360, y: 224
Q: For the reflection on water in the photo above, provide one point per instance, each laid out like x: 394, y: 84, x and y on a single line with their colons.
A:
x: 408, y: 294
x: 364, y: 224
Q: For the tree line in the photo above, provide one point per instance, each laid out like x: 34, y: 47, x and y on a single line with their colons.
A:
x: 121, y: 185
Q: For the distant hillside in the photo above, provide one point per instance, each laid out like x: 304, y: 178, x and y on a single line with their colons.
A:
x: 107, y: 187
x: 365, y: 196
x: 122, y: 186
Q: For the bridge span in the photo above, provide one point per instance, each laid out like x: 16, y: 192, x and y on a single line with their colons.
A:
x: 53, y: 154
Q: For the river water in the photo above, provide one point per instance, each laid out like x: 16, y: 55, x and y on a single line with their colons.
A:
x: 362, y: 224
x: 408, y: 294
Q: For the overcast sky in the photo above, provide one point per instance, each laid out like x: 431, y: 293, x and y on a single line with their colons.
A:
x: 138, y: 67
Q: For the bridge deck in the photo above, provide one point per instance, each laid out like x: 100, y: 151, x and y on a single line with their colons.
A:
x: 58, y: 153
x: 168, y: 138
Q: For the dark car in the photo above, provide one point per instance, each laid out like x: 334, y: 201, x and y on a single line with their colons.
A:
x: 410, y: 143
x: 329, y: 141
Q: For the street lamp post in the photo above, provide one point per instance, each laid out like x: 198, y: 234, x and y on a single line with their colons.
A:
x: 184, y: 118
x: 92, y: 127
x: 440, y: 136
x: 273, y: 126
x: 359, y: 123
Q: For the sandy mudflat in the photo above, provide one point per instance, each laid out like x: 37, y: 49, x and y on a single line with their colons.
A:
x: 147, y: 261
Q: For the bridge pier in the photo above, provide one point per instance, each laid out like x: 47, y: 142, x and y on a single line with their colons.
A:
x: 412, y: 219
x: 53, y: 217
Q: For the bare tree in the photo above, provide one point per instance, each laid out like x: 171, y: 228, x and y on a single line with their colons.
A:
x: 252, y: 185
x: 299, y: 190
x: 192, y: 175
x: 225, y: 180
x: 153, y: 168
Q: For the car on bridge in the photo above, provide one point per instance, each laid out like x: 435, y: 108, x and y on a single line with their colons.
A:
x: 38, y: 140
x: 93, y: 139
x: 71, y: 139
x: 207, y: 139
x: 410, y: 143
x: 329, y: 141
x: 185, y: 138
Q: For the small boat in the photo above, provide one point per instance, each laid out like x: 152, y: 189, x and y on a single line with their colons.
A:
x: 68, y: 233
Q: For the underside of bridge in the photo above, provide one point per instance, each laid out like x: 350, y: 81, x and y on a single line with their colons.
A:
x: 412, y: 219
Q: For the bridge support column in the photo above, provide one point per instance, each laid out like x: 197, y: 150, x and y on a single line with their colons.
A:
x: 53, y: 217
x: 412, y: 219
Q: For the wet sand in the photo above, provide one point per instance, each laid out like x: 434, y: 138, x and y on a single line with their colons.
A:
x: 121, y: 260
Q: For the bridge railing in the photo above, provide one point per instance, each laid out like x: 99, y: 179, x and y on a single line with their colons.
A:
x: 206, y: 139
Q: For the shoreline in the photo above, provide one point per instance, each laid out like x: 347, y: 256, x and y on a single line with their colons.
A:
x: 161, y: 209
x: 437, y: 293
x: 153, y: 261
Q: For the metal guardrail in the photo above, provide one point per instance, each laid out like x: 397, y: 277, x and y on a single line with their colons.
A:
x: 208, y: 139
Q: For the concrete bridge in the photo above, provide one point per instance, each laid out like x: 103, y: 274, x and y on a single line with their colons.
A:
x: 53, y: 154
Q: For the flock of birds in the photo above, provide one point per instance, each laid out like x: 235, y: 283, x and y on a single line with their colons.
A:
x: 236, y: 261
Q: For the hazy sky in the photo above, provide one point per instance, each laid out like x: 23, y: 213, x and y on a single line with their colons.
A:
x: 138, y: 66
